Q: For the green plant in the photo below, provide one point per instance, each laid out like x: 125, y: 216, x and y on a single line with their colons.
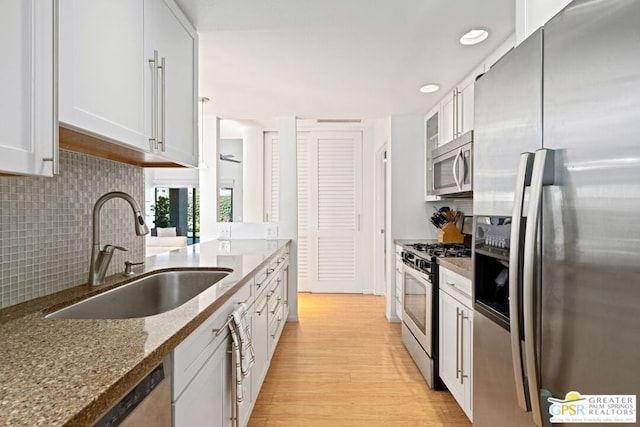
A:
x: 161, y: 210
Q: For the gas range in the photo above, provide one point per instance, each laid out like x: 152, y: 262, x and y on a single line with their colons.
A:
x: 422, y: 256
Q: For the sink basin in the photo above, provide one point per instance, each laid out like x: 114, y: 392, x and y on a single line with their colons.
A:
x: 144, y: 297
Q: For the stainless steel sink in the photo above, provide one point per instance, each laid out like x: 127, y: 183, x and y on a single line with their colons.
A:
x: 144, y: 297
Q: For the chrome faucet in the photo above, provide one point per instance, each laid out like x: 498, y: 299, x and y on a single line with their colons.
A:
x: 100, y: 259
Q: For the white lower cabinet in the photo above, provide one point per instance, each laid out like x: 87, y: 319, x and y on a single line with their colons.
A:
x: 207, y: 399
x: 203, y: 370
x: 260, y: 339
x: 456, y: 338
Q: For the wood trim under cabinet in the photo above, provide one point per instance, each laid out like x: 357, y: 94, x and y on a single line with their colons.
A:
x: 80, y: 142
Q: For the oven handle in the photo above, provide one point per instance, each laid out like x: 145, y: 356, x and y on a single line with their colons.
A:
x: 522, y: 181
x: 542, y: 175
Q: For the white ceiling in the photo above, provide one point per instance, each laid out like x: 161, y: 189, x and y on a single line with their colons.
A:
x: 261, y: 59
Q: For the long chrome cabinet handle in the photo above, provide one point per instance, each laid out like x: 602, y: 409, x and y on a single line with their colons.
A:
x: 542, y: 174
x: 522, y: 181
x: 455, y: 169
x: 154, y: 103
x: 457, y: 342
x: 462, y: 319
x: 163, y: 105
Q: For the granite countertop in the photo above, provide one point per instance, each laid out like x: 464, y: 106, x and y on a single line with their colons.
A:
x: 463, y: 265
x: 57, y: 372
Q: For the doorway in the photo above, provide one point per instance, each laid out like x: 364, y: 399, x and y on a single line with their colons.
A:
x: 381, y: 209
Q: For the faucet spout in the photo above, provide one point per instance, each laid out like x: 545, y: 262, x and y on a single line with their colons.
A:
x: 100, y: 258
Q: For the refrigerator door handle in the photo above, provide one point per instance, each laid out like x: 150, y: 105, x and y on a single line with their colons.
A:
x: 523, y: 179
x: 542, y: 174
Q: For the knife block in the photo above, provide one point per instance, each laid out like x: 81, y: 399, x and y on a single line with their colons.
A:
x: 450, y: 234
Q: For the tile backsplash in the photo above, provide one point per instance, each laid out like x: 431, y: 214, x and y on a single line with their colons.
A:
x: 46, y: 225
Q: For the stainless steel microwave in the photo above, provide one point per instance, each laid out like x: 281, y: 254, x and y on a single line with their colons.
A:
x: 452, y: 167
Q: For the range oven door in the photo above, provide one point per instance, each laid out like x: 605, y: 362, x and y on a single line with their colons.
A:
x: 417, y: 306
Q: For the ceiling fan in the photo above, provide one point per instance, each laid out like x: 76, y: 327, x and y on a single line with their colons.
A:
x: 228, y: 158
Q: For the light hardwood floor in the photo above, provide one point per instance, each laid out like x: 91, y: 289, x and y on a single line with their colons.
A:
x: 343, y: 364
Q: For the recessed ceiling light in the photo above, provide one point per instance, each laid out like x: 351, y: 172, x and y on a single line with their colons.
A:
x: 474, y: 36
x: 429, y: 88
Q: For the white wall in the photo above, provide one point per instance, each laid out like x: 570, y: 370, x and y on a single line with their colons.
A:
x: 406, y: 156
x: 379, y: 137
x: 231, y: 174
x: 288, y: 224
x: 407, y: 211
x: 253, y: 173
x: 209, y: 178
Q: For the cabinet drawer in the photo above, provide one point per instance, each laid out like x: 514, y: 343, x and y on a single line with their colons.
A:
x: 265, y: 275
x: 194, y: 351
x: 455, y: 284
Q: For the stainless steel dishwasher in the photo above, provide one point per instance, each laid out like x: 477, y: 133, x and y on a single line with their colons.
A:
x: 148, y: 403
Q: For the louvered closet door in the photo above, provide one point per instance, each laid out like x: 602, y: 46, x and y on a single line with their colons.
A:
x: 303, y: 169
x: 329, y: 169
x: 335, y: 188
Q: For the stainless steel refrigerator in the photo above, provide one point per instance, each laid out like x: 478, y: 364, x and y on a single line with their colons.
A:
x: 557, y: 165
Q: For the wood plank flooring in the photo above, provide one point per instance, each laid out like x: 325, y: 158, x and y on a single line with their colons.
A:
x: 343, y: 364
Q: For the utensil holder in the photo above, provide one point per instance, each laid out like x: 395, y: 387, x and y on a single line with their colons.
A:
x: 450, y: 234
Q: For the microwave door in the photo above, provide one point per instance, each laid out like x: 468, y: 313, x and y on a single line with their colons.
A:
x: 445, y: 175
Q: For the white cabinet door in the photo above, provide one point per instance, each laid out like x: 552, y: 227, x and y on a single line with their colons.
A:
x: 467, y: 360
x: 465, y: 106
x: 28, y: 129
x: 431, y: 138
x: 250, y: 392
x: 456, y: 357
x: 208, y: 399
x: 175, y: 40
x: 450, y: 344
x: 446, y: 126
x: 102, y: 69
x: 260, y: 341
x: 109, y: 87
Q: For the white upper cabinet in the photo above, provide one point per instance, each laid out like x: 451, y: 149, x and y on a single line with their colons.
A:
x: 111, y: 88
x: 456, y: 109
x: 28, y: 129
x: 102, y: 74
x: 465, y: 101
x: 448, y: 109
x: 174, y: 40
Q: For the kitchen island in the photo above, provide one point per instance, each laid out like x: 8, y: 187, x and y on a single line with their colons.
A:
x: 57, y: 372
